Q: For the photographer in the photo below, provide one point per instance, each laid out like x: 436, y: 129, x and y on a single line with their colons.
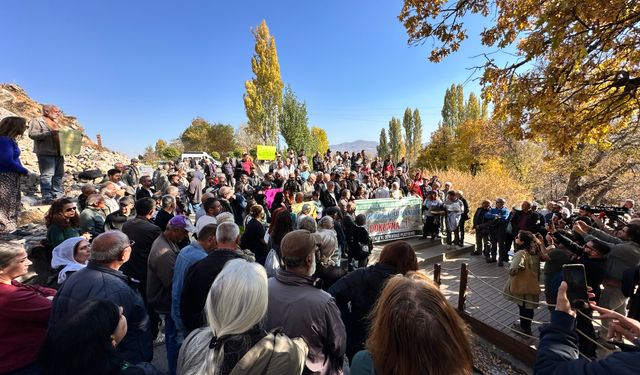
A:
x: 558, y: 352
x: 625, y: 254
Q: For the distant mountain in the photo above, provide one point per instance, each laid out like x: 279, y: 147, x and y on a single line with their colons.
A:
x: 369, y: 147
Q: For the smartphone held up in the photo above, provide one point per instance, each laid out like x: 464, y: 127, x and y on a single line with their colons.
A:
x: 575, y: 277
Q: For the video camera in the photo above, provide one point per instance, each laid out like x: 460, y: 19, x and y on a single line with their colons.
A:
x: 614, y: 213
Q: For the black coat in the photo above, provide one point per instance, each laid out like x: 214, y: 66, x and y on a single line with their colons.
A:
x: 144, y: 193
x: 327, y: 200
x: 143, y: 232
x: 558, y: 352
x: 99, y: 282
x: 196, y: 286
x: 360, y: 288
x: 162, y: 219
x: 253, y: 239
x: 531, y: 222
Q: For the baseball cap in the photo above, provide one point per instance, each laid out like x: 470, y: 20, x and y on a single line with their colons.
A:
x: 134, y: 160
x: 298, y: 244
x: 500, y: 200
x: 182, y: 222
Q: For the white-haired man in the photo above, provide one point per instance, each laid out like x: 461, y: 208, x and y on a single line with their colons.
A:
x: 44, y: 131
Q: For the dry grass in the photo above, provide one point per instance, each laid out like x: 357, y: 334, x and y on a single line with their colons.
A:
x: 488, y: 184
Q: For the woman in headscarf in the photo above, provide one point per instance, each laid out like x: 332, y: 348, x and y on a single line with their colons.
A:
x: 70, y: 256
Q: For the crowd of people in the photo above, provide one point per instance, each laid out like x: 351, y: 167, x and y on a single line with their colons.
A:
x: 272, y: 277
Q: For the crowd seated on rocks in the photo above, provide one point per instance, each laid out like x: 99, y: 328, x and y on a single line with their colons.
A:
x: 273, y: 276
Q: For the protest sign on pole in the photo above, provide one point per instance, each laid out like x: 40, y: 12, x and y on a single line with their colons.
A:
x: 391, y: 219
x: 266, y: 152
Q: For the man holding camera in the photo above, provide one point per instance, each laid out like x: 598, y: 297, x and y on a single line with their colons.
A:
x: 624, y: 254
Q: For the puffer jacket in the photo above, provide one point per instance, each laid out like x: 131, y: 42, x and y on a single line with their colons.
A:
x: 99, y: 282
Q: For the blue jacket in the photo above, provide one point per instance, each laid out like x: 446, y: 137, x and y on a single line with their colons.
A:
x: 503, y: 212
x: 187, y: 257
x: 558, y: 352
x: 10, y: 157
x: 98, y: 282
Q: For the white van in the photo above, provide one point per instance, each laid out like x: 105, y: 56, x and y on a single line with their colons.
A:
x: 198, y: 156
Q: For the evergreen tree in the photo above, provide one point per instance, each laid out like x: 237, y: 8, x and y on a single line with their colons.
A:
x: 383, y: 146
x: 263, y: 99
x: 293, y: 121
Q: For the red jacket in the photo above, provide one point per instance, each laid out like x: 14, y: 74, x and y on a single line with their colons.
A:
x: 24, y: 317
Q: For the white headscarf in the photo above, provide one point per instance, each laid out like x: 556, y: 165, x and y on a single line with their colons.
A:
x: 63, y: 256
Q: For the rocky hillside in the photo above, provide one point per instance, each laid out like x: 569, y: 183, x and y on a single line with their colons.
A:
x: 14, y: 101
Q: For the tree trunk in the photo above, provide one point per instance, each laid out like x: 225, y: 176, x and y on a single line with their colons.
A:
x: 574, y: 189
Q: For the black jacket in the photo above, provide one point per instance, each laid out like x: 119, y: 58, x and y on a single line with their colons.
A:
x: 197, y: 283
x: 353, y: 186
x: 143, y: 232
x: 253, y: 239
x: 465, y: 212
x: 479, y: 219
x: 631, y: 279
x: 116, y: 220
x: 144, y: 193
x: 531, y: 223
x: 162, y: 219
x: 327, y: 200
x: 98, y: 282
x: 360, y: 288
x: 558, y: 352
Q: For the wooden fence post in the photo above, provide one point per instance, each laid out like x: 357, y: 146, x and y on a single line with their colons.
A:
x: 462, y: 293
x: 437, y: 270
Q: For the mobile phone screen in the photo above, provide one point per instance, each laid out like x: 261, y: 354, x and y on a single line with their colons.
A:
x: 576, y: 280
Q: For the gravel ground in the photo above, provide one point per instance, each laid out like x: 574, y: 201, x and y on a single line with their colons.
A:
x: 492, y: 361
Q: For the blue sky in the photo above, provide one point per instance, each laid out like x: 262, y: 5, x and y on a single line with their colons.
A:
x: 135, y: 71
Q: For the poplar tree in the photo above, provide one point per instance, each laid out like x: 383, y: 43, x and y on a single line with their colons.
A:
x: 407, y: 124
x: 320, y: 140
x: 293, y: 121
x: 263, y: 99
x: 383, y: 145
x: 473, y: 110
x: 395, y: 139
x: 417, y: 133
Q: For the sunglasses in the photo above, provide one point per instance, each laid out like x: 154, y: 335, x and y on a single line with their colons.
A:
x: 70, y: 209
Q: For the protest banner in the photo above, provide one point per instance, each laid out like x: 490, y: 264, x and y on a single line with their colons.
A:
x: 266, y: 152
x: 391, y: 219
